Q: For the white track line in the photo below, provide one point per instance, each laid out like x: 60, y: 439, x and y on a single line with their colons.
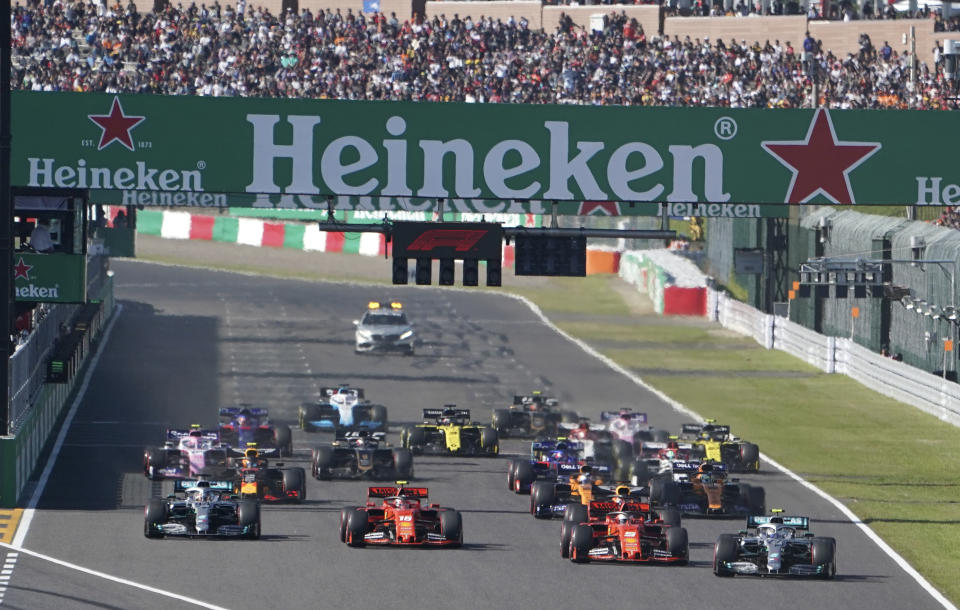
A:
x: 849, y: 514
x: 27, y: 517
x: 122, y: 581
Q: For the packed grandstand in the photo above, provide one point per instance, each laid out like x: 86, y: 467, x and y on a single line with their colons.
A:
x: 212, y: 51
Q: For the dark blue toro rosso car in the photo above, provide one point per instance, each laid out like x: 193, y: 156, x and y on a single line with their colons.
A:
x: 549, y: 459
x: 242, y: 425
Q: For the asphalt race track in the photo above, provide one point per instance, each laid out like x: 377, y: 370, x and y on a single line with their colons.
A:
x: 188, y: 341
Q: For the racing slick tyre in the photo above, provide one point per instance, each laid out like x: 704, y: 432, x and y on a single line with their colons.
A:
x: 357, y: 524
x: 413, y: 438
x: 581, y: 541
x: 669, y: 516
x: 321, y: 463
x: 523, y: 478
x: 823, y: 553
x: 378, y: 413
x: 749, y: 457
x: 295, y: 479
x: 677, y: 544
x: 489, y: 440
x: 451, y: 526
x: 638, y: 474
x: 724, y: 550
x: 403, y: 463
x: 248, y: 515
x: 511, y: 473
x: 659, y: 436
x: 566, y: 530
x: 569, y: 417
x: 154, y: 514
x: 664, y: 492
x: 283, y: 439
x: 308, y: 413
x: 501, y: 421
x: 153, y: 461
x: 542, y: 496
x: 576, y: 514
x: 758, y: 500
x: 344, y: 516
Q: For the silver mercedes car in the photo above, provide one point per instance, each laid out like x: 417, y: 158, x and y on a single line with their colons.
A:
x: 384, y: 328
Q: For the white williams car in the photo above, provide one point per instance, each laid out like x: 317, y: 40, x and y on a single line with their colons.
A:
x: 384, y: 328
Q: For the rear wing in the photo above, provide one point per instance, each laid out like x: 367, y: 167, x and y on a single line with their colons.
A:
x: 640, y: 418
x: 593, y: 427
x: 175, y: 435
x: 542, y: 446
x: 656, y: 446
x: 182, y: 485
x: 327, y: 392
x: 599, y: 508
x: 800, y: 523
x: 697, y: 428
x: 349, y: 435
x: 446, y: 411
x: 235, y: 411
x: 389, y: 492
x: 529, y: 399
x: 684, y: 466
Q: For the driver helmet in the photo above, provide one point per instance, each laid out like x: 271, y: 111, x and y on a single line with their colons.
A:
x: 619, y: 501
x: 584, y: 427
x: 399, y: 502
x: 241, y: 419
x: 767, y: 530
x: 622, y: 518
x: 670, y: 454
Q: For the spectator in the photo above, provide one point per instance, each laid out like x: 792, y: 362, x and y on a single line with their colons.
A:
x: 40, y: 239
x: 211, y: 50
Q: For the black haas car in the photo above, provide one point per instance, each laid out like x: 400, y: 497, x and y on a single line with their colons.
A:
x: 532, y: 416
x: 361, y: 455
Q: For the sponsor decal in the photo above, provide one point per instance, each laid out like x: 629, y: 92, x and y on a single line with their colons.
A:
x: 461, y: 240
x: 116, y: 126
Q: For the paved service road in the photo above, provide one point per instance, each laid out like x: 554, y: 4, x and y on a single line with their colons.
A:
x: 188, y: 341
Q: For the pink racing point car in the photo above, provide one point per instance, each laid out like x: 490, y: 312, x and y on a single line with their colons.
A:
x: 186, y: 454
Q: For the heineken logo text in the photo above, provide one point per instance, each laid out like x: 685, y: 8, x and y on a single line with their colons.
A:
x: 551, y: 165
x: 32, y: 291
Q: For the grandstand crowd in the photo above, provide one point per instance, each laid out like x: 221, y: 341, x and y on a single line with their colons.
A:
x: 217, y: 50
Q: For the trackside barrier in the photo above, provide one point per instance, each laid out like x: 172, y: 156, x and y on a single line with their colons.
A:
x: 908, y: 384
x: 20, y: 452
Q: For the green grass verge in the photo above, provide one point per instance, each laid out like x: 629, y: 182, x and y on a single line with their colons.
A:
x: 896, y: 467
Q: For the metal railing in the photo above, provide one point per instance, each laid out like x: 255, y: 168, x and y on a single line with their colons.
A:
x: 28, y: 365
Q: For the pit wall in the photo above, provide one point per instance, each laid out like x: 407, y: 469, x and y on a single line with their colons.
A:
x: 20, y: 452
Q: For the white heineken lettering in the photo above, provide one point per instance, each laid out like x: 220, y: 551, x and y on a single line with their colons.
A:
x: 34, y: 292
x: 334, y: 171
x: 563, y: 168
x: 46, y: 173
x: 433, y: 152
x: 511, y: 169
x: 178, y: 198
x: 496, y: 174
x: 683, y: 159
x: 714, y: 210
x: 266, y: 150
x: 396, y: 159
x: 620, y: 177
x: 930, y: 193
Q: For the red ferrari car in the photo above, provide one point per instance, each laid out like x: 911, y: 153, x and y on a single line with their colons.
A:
x: 400, y: 519
x: 623, y: 530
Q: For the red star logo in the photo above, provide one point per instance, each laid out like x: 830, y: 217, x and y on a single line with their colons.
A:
x: 607, y: 208
x: 821, y: 164
x: 22, y: 270
x: 115, y: 126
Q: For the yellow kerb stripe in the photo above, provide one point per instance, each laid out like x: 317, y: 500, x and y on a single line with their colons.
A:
x: 9, y: 519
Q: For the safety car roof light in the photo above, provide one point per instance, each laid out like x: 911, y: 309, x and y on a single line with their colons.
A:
x: 373, y: 305
x: 396, y: 305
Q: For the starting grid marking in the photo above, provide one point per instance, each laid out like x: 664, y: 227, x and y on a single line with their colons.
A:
x: 9, y: 519
x: 9, y: 562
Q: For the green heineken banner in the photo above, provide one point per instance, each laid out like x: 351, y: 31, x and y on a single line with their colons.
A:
x: 50, y: 278
x: 489, y: 158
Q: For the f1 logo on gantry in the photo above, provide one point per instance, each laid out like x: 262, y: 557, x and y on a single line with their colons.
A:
x: 459, y: 240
